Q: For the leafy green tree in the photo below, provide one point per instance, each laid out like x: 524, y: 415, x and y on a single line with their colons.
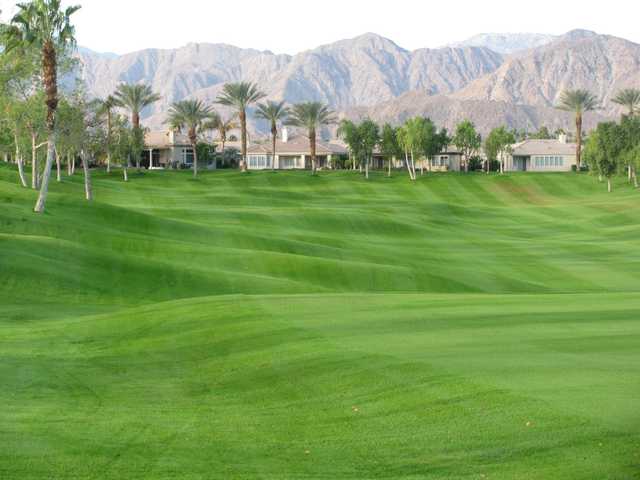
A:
x: 433, y: 141
x: 240, y: 96
x: 578, y: 102
x: 127, y: 142
x: 603, y: 150
x: 369, y: 133
x: 190, y: 115
x: 311, y: 116
x: 274, y: 113
x: 348, y: 131
x: 45, y: 26
x: 630, y: 131
x: 467, y: 140
x: 389, y: 145
x: 542, y: 134
x: 135, y: 98
x: 497, y: 146
x: 629, y: 98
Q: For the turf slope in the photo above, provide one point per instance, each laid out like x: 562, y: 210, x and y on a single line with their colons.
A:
x: 280, y: 326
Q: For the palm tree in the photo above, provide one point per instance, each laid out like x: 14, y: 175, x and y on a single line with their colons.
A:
x: 224, y: 127
x: 43, y: 25
x: 135, y: 98
x: 105, y: 108
x: 311, y: 116
x: 240, y: 96
x: 630, y: 98
x: 578, y: 102
x: 273, y: 112
x: 190, y: 115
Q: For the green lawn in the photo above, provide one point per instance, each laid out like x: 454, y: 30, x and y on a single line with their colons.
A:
x: 279, y: 326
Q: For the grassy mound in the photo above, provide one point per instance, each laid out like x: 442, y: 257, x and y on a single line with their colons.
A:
x: 282, y: 326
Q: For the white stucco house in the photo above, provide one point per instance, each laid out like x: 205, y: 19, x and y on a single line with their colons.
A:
x: 166, y: 149
x: 292, y: 153
x: 542, y: 156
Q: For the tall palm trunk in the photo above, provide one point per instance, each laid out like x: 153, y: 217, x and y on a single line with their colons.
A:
x: 274, y: 138
x: 49, y: 67
x: 135, y: 122
x: 578, y: 142
x: 194, y: 145
x: 88, y: 193
x: 243, y: 140
x: 312, y: 145
x: 109, y: 141
x: 223, y: 141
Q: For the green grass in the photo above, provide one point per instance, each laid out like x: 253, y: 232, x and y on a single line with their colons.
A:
x: 278, y: 326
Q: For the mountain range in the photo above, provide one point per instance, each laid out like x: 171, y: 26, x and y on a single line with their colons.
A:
x: 494, y: 79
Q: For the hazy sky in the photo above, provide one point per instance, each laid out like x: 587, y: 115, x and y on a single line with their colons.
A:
x: 288, y: 26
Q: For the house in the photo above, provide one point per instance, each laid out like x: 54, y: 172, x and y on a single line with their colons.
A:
x: 166, y: 149
x: 542, y: 156
x: 448, y: 160
x: 291, y: 153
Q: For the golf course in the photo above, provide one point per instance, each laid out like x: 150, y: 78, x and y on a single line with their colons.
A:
x: 288, y: 326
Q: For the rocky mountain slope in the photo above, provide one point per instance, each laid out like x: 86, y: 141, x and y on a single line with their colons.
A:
x: 359, y: 72
x: 507, y: 43
x: 601, y: 64
x: 371, y: 75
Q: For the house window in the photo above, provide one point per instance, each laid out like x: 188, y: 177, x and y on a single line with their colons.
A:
x: 259, y: 161
x: 440, y: 161
x: 187, y: 156
x: 548, y: 162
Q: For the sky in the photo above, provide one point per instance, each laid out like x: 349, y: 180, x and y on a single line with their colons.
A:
x: 288, y: 26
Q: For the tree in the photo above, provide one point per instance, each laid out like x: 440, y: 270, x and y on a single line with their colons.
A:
x: 497, y: 146
x: 369, y: 134
x: 630, y: 131
x: 43, y: 25
x: 223, y: 127
x: 106, y: 109
x: 603, y: 150
x: 348, y: 131
x: 190, y: 115
x: 578, y: 102
x: 629, y: 98
x: 135, y: 98
x: 467, y: 140
x: 240, y: 96
x: 542, y: 134
x: 389, y: 146
x: 274, y: 113
x: 311, y: 116
x: 126, y: 143
x: 433, y: 141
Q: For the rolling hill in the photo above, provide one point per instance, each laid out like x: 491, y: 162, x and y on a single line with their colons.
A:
x: 278, y: 325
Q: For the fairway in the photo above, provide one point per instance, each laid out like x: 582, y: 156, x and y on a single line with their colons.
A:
x: 283, y: 326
